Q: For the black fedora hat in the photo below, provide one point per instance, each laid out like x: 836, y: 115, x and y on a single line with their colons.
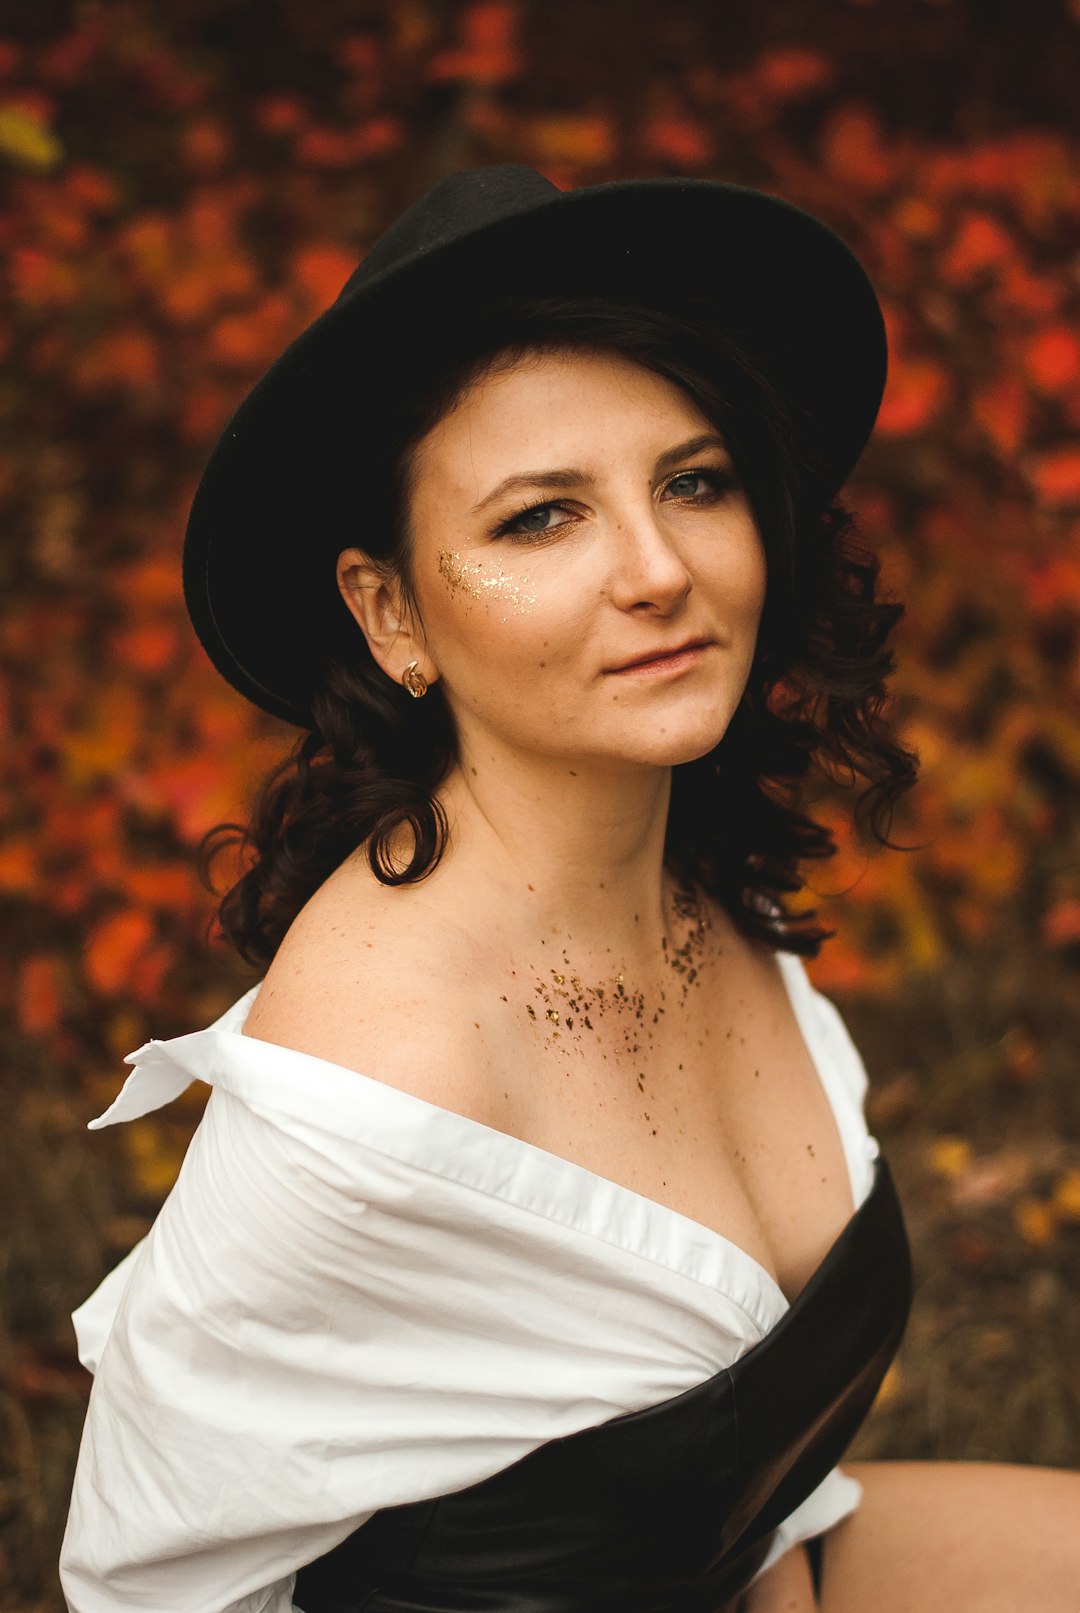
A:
x: 285, y: 488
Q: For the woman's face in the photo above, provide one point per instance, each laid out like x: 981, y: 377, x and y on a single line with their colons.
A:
x: 637, y: 538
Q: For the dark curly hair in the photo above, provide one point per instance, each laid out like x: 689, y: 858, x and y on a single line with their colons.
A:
x: 814, y: 698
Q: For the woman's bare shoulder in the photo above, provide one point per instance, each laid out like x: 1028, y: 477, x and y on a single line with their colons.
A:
x: 383, y: 981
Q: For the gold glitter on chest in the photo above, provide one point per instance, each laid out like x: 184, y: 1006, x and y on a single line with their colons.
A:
x: 475, y: 579
x: 569, y: 1009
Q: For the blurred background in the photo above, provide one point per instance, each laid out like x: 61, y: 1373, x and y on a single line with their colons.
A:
x: 184, y: 186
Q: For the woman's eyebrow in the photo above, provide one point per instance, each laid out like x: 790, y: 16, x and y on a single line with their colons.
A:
x: 567, y: 476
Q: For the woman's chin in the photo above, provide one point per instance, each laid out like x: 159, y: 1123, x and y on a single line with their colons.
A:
x: 669, y: 746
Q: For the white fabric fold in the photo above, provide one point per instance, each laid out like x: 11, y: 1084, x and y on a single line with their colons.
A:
x: 354, y: 1298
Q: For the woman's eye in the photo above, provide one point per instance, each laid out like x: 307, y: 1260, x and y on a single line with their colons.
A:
x: 716, y: 481
x: 531, y: 523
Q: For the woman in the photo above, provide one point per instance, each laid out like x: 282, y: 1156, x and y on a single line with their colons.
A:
x: 532, y: 1252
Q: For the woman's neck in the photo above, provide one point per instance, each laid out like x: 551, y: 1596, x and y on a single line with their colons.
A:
x: 571, y: 857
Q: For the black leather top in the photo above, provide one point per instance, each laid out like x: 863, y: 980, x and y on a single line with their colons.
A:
x: 666, y: 1510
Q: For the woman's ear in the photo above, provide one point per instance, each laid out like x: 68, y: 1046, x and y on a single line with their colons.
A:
x: 376, y: 599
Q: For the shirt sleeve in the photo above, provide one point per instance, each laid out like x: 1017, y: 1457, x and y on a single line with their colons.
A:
x: 205, y: 1474
x: 302, y: 1338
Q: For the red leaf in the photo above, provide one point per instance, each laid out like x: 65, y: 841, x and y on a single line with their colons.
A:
x: 1053, y: 359
x: 980, y: 243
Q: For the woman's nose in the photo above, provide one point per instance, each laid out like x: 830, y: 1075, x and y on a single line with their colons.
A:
x: 646, y: 567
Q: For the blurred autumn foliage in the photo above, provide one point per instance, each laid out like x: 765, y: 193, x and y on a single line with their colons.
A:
x: 184, y: 188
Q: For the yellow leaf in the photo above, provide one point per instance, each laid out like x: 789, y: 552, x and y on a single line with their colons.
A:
x: 1067, y: 1196
x: 1037, y: 1220
x: 27, y: 141
x: 950, y: 1156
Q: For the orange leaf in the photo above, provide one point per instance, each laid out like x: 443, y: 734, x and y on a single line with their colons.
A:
x: 247, y: 340
x: 39, y: 1000
x: 678, y: 138
x: 358, y: 53
x: 569, y: 137
x: 126, y: 358
x: 147, y: 583
x: 279, y: 114
x: 1002, y: 411
x: 1037, y: 1220
x: 148, y: 972
x: 1067, y: 1196
x: 324, y: 148
x: 148, y: 647
x: 1060, y: 925
x: 980, y: 243
x: 793, y: 71
x: 171, y: 888
x: 1056, y: 475
x: 114, y: 946
x: 322, y: 268
x: 916, y: 217
x: 488, y: 52
x: 206, y: 144
x: 916, y: 390
x: 19, y: 863
x: 851, y: 148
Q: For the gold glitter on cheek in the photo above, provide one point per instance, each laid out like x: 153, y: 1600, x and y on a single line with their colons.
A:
x: 471, y: 577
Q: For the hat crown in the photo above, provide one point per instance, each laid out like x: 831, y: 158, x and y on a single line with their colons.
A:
x: 455, y: 207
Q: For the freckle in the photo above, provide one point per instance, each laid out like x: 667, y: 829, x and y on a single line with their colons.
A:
x: 809, y: 1146
x: 543, y: 664
x: 472, y: 770
x: 476, y: 1022
x: 572, y: 773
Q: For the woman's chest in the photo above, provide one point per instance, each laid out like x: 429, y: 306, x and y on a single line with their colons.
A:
x: 708, y: 1103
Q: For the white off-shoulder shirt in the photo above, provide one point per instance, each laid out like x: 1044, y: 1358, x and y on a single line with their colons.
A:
x: 353, y: 1298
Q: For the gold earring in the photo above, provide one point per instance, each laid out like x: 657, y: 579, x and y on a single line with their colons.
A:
x: 414, y: 681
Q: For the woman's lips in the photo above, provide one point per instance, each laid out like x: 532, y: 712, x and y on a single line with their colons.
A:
x: 665, y: 665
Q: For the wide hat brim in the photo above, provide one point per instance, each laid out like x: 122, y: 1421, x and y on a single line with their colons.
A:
x: 292, y: 479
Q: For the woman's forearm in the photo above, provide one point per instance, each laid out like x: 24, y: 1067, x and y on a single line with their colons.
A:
x: 786, y: 1587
